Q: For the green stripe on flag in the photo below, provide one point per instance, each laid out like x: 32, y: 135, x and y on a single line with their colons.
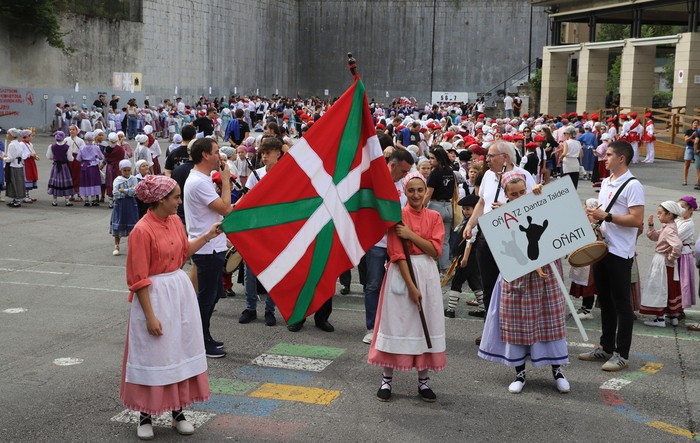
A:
x: 319, y: 260
x: 388, y: 210
x: 270, y: 215
x: 347, y: 150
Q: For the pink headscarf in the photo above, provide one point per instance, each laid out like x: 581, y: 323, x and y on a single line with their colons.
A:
x: 154, y: 188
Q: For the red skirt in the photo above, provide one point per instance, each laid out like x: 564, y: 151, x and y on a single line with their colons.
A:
x: 30, y: 171
x: 155, y: 400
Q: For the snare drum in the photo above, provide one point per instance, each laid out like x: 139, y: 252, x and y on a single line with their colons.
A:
x: 233, y: 260
x: 592, y: 253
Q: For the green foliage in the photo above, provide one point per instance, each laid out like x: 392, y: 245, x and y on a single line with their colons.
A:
x: 661, y: 99
x: 41, y: 16
x: 609, y: 31
x: 536, y: 80
x: 669, y: 69
x: 571, y: 88
x: 613, y: 83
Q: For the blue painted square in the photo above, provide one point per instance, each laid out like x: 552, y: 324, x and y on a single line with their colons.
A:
x: 229, y: 404
x: 631, y: 413
x: 274, y: 375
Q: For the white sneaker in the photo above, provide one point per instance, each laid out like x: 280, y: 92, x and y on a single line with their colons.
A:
x: 616, y: 363
x: 517, y: 386
x: 183, y: 427
x: 145, y: 432
x: 562, y: 383
x: 674, y: 321
x: 115, y: 252
x: 584, y: 314
x: 598, y: 354
x: 368, y: 337
x: 657, y: 322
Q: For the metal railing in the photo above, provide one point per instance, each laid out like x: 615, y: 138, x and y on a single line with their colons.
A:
x: 519, y: 76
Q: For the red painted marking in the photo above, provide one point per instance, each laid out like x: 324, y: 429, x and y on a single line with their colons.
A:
x: 610, y: 398
x: 509, y: 217
x: 249, y: 428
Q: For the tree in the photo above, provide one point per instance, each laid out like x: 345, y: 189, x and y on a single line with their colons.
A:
x: 41, y: 16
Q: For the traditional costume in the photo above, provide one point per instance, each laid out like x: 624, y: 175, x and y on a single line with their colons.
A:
x: 31, y: 173
x: 662, y: 293
x: 648, y: 137
x: 686, y: 262
x: 399, y: 341
x: 60, y: 181
x: 126, y: 212
x: 114, y: 154
x: 167, y: 372
x: 14, y: 169
x: 153, y: 145
x: 89, y: 157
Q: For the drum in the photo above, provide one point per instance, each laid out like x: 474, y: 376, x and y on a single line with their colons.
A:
x: 592, y: 253
x: 233, y: 260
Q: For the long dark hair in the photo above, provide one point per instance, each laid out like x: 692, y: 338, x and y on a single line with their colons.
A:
x: 444, y: 163
x: 549, y: 137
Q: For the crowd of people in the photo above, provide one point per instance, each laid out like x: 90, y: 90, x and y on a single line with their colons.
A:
x: 450, y: 164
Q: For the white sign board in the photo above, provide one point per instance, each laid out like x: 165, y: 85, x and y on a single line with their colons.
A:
x: 325, y: 92
x: 535, y: 230
x: 680, y: 77
x: 696, y: 79
x: 463, y: 97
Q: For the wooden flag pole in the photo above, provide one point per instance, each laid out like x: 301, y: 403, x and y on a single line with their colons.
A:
x: 404, y: 243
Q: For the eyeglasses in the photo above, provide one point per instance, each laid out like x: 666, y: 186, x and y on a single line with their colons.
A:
x: 526, y: 131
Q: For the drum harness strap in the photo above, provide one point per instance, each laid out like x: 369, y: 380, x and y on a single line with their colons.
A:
x: 617, y: 194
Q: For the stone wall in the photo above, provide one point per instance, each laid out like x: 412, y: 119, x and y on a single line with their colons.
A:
x: 403, y: 47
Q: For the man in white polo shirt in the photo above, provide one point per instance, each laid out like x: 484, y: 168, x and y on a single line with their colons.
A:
x: 612, y: 275
x: 203, y: 206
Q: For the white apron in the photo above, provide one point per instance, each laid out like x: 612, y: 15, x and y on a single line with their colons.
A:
x: 176, y: 355
x: 655, y: 292
x: 400, y: 328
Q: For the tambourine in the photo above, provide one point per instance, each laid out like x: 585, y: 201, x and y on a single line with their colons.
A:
x: 233, y: 260
x: 591, y: 253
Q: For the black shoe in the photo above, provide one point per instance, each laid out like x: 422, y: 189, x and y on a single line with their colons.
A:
x: 296, y: 327
x: 215, y: 343
x: 87, y: 203
x: 449, y: 314
x: 345, y: 290
x: 247, y: 316
x: 229, y: 293
x: 325, y: 326
x: 54, y: 203
x: 213, y: 352
x: 95, y: 203
x: 384, y: 394
x: 480, y: 313
x: 270, y: 319
x: 15, y: 204
x: 427, y: 395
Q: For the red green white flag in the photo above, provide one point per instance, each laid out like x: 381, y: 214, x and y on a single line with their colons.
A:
x: 319, y: 209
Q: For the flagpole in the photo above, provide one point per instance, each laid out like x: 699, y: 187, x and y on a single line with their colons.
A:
x: 404, y: 243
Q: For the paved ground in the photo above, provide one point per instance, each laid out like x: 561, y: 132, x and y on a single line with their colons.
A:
x: 56, y: 268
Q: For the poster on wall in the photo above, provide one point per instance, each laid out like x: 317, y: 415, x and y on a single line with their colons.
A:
x: 126, y: 81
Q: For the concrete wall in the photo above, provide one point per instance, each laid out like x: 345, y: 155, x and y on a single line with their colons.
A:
x: 290, y: 46
x: 475, y: 46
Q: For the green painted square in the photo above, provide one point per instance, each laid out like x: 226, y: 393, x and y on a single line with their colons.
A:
x: 633, y: 375
x: 231, y: 387
x: 297, y: 350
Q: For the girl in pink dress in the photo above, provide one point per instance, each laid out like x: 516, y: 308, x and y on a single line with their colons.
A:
x: 399, y: 341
